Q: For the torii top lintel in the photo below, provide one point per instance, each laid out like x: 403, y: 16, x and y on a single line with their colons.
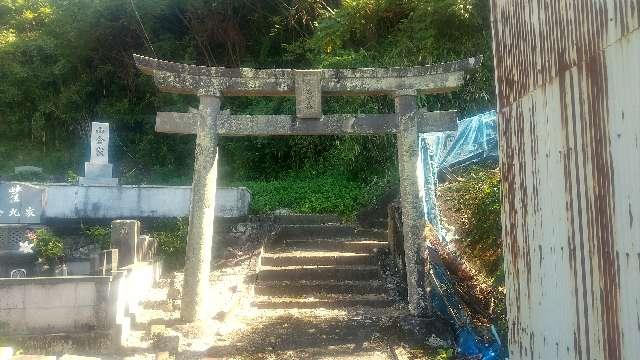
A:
x: 202, y: 80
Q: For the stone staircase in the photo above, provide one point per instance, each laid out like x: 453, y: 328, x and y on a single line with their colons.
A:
x: 321, y: 266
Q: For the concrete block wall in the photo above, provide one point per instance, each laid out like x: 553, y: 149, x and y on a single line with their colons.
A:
x: 76, y: 305
x: 54, y: 305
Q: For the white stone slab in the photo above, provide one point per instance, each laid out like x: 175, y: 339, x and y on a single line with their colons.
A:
x: 99, y: 143
x: 94, y: 170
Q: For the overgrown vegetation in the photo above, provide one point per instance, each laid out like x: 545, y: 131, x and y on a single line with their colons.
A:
x: 472, y: 204
x: 172, y: 242
x: 65, y: 63
x: 48, y: 247
x: 474, y: 200
x: 99, y: 235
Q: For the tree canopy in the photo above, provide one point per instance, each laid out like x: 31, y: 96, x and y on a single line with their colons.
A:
x: 65, y: 63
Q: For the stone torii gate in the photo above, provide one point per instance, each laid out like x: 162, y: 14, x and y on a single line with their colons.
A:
x: 308, y: 86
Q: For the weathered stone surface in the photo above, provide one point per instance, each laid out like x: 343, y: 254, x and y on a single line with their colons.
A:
x: 124, y: 237
x: 308, y: 89
x: 201, y: 80
x: 259, y: 125
x: 203, y: 194
x: 20, y: 203
x: 412, y: 212
x: 340, y: 124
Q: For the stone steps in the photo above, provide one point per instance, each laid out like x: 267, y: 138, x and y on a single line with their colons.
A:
x: 143, y: 321
x: 321, y: 266
x: 333, y: 245
x: 316, y: 258
x: 327, y: 301
x: 310, y: 288
x: 339, y: 273
x: 328, y: 231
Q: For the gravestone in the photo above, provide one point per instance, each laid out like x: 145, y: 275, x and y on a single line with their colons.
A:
x: 98, y: 171
x: 124, y: 237
x: 20, y: 203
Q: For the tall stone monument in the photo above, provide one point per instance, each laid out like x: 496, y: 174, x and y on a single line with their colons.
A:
x: 98, y: 171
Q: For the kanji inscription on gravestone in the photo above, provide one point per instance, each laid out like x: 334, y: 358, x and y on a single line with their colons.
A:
x: 308, y: 94
x: 99, y: 143
x: 98, y: 171
x: 20, y: 203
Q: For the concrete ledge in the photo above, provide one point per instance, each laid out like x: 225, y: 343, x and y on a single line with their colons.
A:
x: 66, y: 201
x: 54, y: 280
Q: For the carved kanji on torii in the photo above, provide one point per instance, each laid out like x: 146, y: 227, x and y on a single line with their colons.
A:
x: 308, y: 86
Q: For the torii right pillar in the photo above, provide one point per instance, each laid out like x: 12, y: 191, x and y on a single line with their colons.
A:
x: 416, y: 256
x: 568, y: 85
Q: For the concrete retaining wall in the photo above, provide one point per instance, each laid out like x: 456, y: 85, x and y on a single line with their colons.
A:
x: 65, y: 201
x: 87, y: 311
x: 54, y: 305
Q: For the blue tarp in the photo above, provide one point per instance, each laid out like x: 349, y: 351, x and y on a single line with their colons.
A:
x: 475, y: 142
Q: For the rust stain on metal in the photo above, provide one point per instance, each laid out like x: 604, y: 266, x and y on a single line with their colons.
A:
x: 568, y: 84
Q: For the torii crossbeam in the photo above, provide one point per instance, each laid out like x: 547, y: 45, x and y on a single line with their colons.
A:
x: 308, y: 86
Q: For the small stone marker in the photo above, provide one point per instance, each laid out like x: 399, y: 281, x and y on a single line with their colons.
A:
x: 124, y: 237
x: 308, y: 94
x: 98, y: 171
x: 20, y: 203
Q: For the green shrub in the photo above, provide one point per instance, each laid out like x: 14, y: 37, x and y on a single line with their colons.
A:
x: 319, y: 194
x: 475, y: 200
x: 99, y: 235
x: 48, y: 247
x: 71, y: 177
x: 473, y: 203
x: 172, y: 242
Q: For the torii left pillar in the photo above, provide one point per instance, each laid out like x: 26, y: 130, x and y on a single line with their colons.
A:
x: 203, y: 194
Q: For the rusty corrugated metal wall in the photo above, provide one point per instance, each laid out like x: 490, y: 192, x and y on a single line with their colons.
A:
x: 568, y: 83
